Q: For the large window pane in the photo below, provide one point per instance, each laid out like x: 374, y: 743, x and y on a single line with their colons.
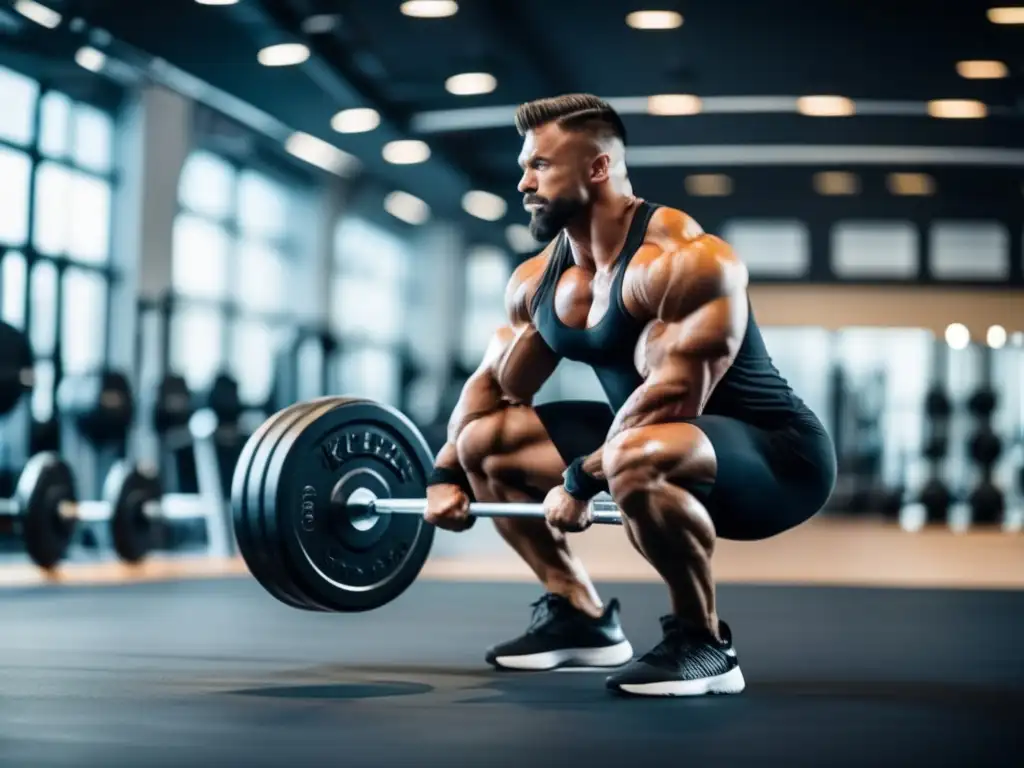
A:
x: 262, y: 278
x: 18, y: 96
x: 370, y: 372
x: 94, y: 138
x: 206, y: 185
x: 487, y: 274
x: 55, y: 131
x: 13, y: 275
x: 15, y: 171
x: 42, y: 391
x: 85, y: 300
x: 363, y: 249
x: 200, y: 258
x: 196, y: 345
x: 43, y: 296
x: 53, y: 209
x: 89, y: 239
x: 366, y: 309
x: 253, y: 351
x: 262, y: 206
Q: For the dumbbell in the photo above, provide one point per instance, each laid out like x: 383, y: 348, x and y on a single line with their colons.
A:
x: 46, y: 512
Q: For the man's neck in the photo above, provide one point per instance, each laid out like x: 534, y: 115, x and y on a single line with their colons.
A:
x: 597, y: 239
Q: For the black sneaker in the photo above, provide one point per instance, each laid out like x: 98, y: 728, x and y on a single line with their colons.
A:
x: 687, y: 662
x: 560, y: 635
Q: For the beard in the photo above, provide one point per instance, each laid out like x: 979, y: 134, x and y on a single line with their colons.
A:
x: 547, y: 222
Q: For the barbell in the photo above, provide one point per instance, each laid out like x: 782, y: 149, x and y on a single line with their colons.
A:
x: 45, y: 510
x: 327, y: 502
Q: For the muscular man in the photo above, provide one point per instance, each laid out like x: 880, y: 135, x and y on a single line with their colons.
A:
x: 701, y: 437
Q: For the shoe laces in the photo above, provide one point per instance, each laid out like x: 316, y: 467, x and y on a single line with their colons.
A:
x: 548, y: 607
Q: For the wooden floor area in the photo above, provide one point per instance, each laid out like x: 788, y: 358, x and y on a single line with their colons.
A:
x: 824, y: 551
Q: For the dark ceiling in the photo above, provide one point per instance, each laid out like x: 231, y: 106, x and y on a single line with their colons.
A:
x: 891, y: 58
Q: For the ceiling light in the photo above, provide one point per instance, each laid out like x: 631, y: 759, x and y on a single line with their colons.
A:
x: 1006, y: 15
x: 406, y: 152
x: 406, y: 207
x: 654, y: 20
x: 216, y: 2
x: 825, y: 106
x: 996, y: 337
x: 673, y: 104
x: 520, y: 240
x: 911, y: 184
x: 957, y: 336
x: 430, y: 9
x: 283, y: 55
x: 484, y: 205
x: 470, y: 84
x: 359, y: 120
x: 321, y: 154
x: 708, y: 185
x: 40, y: 14
x: 89, y: 58
x: 836, y: 183
x: 957, y: 109
x: 982, y: 70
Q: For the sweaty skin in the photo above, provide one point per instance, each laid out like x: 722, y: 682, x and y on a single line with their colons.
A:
x: 690, y: 289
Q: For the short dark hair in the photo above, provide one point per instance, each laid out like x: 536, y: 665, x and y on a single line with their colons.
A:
x: 572, y: 111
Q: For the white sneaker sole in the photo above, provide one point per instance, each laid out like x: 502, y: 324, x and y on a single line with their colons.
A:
x: 731, y: 682
x: 609, y: 656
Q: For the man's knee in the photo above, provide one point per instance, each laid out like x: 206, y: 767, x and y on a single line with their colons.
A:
x: 479, y: 440
x: 637, y: 460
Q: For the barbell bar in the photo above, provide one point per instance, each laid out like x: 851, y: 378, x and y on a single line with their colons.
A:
x: 604, y: 512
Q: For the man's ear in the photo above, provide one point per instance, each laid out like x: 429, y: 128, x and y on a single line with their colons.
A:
x: 600, y: 168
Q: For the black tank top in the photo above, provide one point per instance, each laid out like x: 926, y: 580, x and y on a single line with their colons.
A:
x: 751, y: 390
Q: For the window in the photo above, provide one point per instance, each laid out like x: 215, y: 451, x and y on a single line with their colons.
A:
x: 970, y: 250
x: 771, y: 248
x: 15, y: 170
x: 61, y: 269
x: 487, y: 274
x: 867, y: 249
x: 18, y: 95
x: 368, y: 300
x: 233, y: 268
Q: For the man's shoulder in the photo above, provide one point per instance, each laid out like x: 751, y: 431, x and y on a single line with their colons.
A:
x: 523, y: 284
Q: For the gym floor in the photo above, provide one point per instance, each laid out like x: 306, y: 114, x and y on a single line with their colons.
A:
x: 212, y: 671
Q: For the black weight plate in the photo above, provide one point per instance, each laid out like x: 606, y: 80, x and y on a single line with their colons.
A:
x: 263, y: 528
x: 44, y: 484
x: 261, y: 561
x: 128, y: 490
x: 16, y: 372
x: 344, y: 564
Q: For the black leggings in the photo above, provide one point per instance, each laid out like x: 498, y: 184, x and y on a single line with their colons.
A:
x: 768, y: 480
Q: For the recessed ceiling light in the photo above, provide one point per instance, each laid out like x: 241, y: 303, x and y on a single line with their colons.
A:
x: 825, y: 106
x: 958, y: 336
x: 1006, y: 15
x: 708, y: 185
x: 470, y: 84
x: 430, y: 9
x: 836, y: 183
x: 358, y: 120
x: 320, y: 23
x: 673, y: 104
x: 283, y: 55
x: 654, y: 20
x: 321, y: 154
x: 957, y: 109
x: 89, y: 58
x: 982, y: 70
x: 406, y: 207
x: 484, y: 205
x: 995, y: 337
x: 40, y: 14
x: 910, y: 184
x: 406, y: 152
x: 216, y: 2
